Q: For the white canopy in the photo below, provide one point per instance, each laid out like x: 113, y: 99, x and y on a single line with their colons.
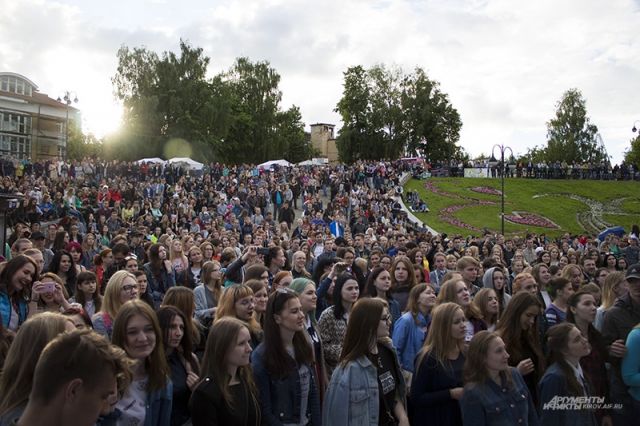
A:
x: 192, y: 164
x: 270, y: 164
x: 154, y: 160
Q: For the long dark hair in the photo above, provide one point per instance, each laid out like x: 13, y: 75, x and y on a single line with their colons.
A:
x: 278, y: 362
x: 11, y: 268
x: 88, y: 276
x: 362, y: 328
x: 338, y: 309
x: 595, y: 337
x: 166, y: 314
x: 370, y: 287
x: 71, y: 277
x: 557, y: 341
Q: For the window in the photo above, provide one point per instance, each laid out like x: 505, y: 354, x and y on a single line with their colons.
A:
x: 15, y: 85
x: 16, y: 146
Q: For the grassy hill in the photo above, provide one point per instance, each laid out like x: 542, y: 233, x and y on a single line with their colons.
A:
x: 542, y: 206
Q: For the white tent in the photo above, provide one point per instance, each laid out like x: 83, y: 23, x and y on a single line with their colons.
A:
x: 305, y: 163
x: 154, y: 160
x: 192, y: 164
x: 270, y: 164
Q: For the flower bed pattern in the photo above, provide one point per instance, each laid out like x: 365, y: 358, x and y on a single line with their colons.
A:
x: 486, y: 190
x: 530, y: 219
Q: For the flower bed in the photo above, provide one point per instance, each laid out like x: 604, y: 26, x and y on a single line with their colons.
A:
x: 530, y: 219
x: 486, y: 190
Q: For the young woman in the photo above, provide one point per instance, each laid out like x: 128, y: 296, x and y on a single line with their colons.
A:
x: 582, y: 312
x: 208, y: 293
x: 121, y: 288
x: 615, y: 285
x: 565, y: 377
x: 437, y: 383
x: 160, y: 275
x: 574, y: 274
x: 283, y: 365
x: 379, y: 285
x: 368, y: 386
x: 410, y: 330
x: 238, y: 301
x: 494, y: 393
x: 17, y: 375
x: 260, y: 298
x: 16, y: 278
x: 87, y: 293
x: 183, y: 364
x: 192, y: 276
x: 178, y: 260
x: 79, y: 318
x: 183, y: 299
x: 63, y: 266
x: 102, y: 263
x: 456, y: 291
x: 281, y: 279
x: 227, y: 395
x: 496, y: 279
x: 402, y: 280
x: 49, y: 295
x: 147, y: 401
x: 518, y: 328
x: 143, y: 288
x: 333, y: 321
x: 487, y: 305
x: 75, y: 250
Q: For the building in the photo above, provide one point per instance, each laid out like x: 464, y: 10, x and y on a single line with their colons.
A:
x: 324, y: 141
x: 32, y: 125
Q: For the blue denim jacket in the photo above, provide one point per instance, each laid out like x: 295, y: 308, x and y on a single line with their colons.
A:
x: 408, y: 339
x: 158, y: 412
x: 5, y: 309
x: 280, y: 398
x: 352, y: 397
x: 488, y: 403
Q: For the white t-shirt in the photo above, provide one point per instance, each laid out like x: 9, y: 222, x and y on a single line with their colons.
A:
x: 133, y: 404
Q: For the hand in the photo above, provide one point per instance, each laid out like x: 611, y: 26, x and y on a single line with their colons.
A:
x: 456, y: 393
x: 58, y: 296
x: 618, y: 349
x: 192, y: 380
x: 526, y: 366
x: 167, y: 266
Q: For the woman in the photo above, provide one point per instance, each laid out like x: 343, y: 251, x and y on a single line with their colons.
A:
x: 456, y: 291
x: 183, y: 299
x: 192, y: 276
x: 227, y: 395
x: 89, y: 250
x: 178, y: 260
x: 368, y: 386
x: 121, y: 288
x: 630, y: 369
x: 260, y: 297
x: 281, y: 279
x: 147, y: 401
x: 143, y: 288
x: 565, y: 378
x: 238, y: 301
x: 160, y: 275
x: 63, y: 266
x: 542, y: 275
x: 615, y: 285
x: 417, y: 257
x: 495, y: 279
x: 102, y: 263
x: 494, y: 393
x: 60, y: 241
x: 379, y: 285
x: 410, y: 330
x: 79, y: 318
x: 333, y: 321
x: 574, y: 274
x: 306, y: 291
x: 582, y: 312
x: 283, y: 365
x: 610, y: 262
x: 17, y: 375
x: 518, y: 328
x: 208, y: 293
x: 487, y: 305
x: 402, y: 280
x: 207, y: 251
x: 437, y: 383
x: 15, y: 281
x: 49, y: 295
x: 183, y: 364
x: 75, y: 250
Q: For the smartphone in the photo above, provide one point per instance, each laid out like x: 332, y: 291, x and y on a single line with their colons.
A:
x: 263, y: 251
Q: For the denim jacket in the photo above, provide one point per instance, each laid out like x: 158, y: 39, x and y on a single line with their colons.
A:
x: 408, y: 338
x: 353, y: 398
x: 158, y: 412
x: 487, y: 403
x: 5, y: 309
x: 280, y: 398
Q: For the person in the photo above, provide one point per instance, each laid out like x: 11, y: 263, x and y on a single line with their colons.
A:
x: 147, y: 401
x: 410, y: 330
x: 582, y: 312
x: 494, y: 393
x: 260, y: 298
x: 48, y: 300
x: 208, y: 293
x: 456, y: 291
x: 518, y: 328
x: 436, y: 388
x: 86, y: 293
x: 79, y: 317
x: 487, y: 306
x: 367, y: 387
x: 436, y: 276
x: 238, y: 301
x: 227, y: 395
x: 77, y: 378
x: 63, y: 266
x: 160, y: 274
x: 560, y: 290
x: 379, y: 285
x: 495, y: 278
x: 615, y: 286
x: 182, y: 298
x: 402, y: 280
x: 333, y: 321
x: 565, y: 377
x: 283, y: 365
x: 122, y: 287
x: 183, y: 364
x: 16, y: 278
x: 16, y: 380
x: 630, y: 368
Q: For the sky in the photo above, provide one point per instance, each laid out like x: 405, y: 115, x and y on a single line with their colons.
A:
x: 504, y: 63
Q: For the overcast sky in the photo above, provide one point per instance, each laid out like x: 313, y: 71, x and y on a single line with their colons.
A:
x: 504, y: 63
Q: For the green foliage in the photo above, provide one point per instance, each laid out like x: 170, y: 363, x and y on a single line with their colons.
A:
x: 387, y: 113
x: 80, y: 145
x: 233, y: 117
x: 632, y: 155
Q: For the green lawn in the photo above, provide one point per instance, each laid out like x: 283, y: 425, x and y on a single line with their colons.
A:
x: 524, y: 195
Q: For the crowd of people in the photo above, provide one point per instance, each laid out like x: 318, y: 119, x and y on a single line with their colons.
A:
x: 138, y: 294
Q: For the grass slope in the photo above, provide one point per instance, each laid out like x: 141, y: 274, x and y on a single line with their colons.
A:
x: 523, y: 195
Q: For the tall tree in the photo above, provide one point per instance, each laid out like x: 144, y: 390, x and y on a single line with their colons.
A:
x: 632, y: 155
x: 571, y: 136
x: 355, y: 110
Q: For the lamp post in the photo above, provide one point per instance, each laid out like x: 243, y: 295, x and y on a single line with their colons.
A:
x: 68, y: 101
x: 501, y: 149
x: 634, y: 128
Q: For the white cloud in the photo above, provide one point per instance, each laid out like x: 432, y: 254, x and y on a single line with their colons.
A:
x: 504, y: 64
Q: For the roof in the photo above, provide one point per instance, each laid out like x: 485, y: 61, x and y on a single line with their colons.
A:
x: 13, y: 74
x: 38, y: 98
x: 323, y: 124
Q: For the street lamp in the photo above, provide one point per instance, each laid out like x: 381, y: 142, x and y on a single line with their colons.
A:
x: 634, y: 129
x: 501, y: 149
x: 67, y: 100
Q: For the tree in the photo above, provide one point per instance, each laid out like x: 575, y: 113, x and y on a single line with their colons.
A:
x: 571, y: 136
x: 632, y: 155
x: 355, y: 111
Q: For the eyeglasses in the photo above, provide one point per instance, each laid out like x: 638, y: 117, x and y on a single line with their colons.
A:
x: 129, y: 288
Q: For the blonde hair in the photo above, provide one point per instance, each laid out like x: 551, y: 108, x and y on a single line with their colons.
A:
x: 608, y: 293
x: 227, y: 305
x: 111, y: 303
x: 439, y: 342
